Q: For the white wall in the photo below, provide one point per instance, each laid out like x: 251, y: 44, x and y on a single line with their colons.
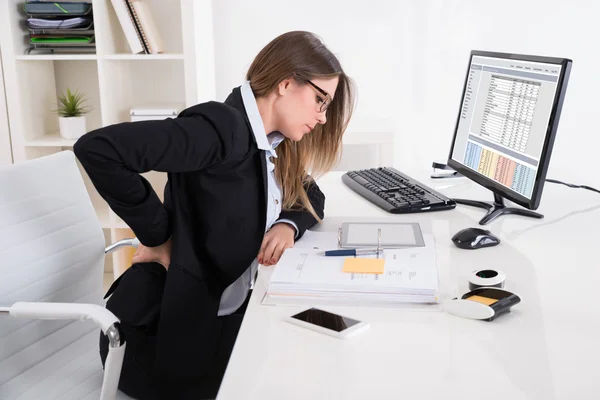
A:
x: 409, y: 60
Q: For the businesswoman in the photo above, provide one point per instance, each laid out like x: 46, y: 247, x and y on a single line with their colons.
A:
x: 238, y: 194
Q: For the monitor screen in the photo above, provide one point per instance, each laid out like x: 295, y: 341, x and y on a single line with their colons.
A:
x: 504, y: 121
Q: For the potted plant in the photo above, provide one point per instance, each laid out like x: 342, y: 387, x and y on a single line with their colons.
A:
x: 71, y: 111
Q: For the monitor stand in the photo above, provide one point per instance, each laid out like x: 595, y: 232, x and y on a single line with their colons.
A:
x: 497, y: 208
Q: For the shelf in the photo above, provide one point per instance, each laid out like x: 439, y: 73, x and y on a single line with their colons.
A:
x: 40, y: 84
x: 111, y: 78
x: 52, y: 57
x: 76, y: 57
x: 130, y: 82
x: 50, y: 140
x: 142, y: 57
x: 92, y: 57
x: 168, y: 18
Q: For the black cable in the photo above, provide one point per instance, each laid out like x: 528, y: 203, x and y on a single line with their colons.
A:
x: 573, y: 186
x: 436, y: 165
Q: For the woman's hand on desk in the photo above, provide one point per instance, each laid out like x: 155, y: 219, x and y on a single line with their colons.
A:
x: 276, y: 240
x: 160, y: 254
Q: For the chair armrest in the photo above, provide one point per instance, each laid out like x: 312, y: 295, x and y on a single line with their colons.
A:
x: 100, y: 315
x: 112, y: 372
x: 103, y: 317
x: 134, y: 242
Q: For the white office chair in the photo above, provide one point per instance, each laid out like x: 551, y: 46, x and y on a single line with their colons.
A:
x: 362, y: 150
x: 51, y: 268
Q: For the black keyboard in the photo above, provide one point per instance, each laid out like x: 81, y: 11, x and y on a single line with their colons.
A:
x: 396, y: 192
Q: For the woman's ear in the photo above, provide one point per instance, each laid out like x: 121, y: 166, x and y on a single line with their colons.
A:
x: 284, y: 86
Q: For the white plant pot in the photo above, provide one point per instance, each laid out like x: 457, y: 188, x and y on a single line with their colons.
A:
x: 72, y: 127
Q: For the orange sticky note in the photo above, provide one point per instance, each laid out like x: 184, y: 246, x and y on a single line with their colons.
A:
x: 364, y: 265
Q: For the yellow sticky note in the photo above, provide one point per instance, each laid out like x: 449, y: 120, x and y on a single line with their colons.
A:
x: 364, y: 265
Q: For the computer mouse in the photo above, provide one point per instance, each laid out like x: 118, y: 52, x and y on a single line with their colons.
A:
x: 474, y: 238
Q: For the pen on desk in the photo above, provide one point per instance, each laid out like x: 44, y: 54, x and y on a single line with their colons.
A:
x: 349, y: 252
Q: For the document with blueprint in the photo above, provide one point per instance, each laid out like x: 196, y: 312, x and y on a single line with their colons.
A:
x: 409, y: 275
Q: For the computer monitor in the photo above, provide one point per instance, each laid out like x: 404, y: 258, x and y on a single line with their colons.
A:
x: 506, y: 126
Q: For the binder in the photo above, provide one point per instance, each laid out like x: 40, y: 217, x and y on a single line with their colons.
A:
x: 129, y: 27
x: 139, y: 26
x: 149, y: 33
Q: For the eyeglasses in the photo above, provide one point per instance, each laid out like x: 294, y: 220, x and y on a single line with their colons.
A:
x: 325, y: 102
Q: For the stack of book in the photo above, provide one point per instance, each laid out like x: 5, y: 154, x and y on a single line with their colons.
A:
x: 60, y: 26
x: 302, y: 276
x: 138, y: 26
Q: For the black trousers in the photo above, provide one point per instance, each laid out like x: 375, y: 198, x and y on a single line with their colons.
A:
x: 135, y: 298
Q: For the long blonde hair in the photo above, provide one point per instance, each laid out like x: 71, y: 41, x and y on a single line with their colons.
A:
x: 303, y: 53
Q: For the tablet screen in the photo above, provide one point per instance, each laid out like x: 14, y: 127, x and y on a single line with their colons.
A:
x: 361, y: 234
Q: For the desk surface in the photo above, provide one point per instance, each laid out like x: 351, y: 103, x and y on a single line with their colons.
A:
x: 546, y: 348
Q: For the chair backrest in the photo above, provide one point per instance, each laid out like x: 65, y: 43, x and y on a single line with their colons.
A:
x: 362, y: 150
x: 51, y: 249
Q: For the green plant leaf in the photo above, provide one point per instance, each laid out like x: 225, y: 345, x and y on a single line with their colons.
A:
x: 72, y: 104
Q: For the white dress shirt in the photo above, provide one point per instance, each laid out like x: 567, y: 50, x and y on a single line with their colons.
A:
x: 235, y: 294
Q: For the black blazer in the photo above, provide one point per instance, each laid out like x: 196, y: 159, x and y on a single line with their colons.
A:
x: 214, y: 209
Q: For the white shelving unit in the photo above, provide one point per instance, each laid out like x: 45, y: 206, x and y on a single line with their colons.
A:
x: 113, y: 80
x: 5, y: 150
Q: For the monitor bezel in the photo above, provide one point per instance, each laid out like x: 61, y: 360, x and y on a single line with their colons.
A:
x: 557, y: 104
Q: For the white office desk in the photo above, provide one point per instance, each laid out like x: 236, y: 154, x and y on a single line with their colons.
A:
x: 547, y: 348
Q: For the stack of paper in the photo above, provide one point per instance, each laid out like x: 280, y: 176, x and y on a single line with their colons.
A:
x: 60, y: 26
x: 410, y: 275
x: 41, y: 23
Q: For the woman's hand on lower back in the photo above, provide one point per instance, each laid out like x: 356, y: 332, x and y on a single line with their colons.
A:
x: 160, y: 254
